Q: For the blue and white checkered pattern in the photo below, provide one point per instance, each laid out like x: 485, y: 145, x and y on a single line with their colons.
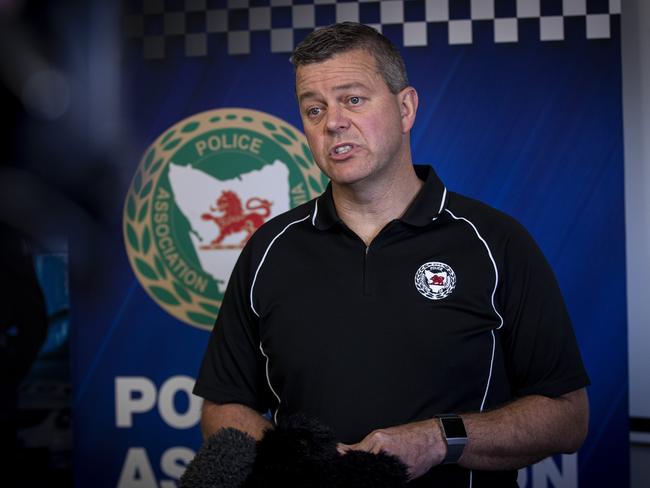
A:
x: 285, y: 22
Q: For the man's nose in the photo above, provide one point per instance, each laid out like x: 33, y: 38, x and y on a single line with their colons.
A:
x: 337, y: 119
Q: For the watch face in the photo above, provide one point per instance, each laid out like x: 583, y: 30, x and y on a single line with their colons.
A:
x: 454, y: 427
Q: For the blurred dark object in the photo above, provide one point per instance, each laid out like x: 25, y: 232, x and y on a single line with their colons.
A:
x: 59, y: 93
x: 298, y: 453
x: 35, y: 418
x: 23, y: 328
x: 45, y: 395
x: 61, y: 189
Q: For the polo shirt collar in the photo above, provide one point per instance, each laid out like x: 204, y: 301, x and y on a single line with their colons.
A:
x: 427, y: 205
x: 324, y: 215
x: 430, y: 201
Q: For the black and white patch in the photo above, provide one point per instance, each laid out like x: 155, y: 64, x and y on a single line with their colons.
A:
x: 435, y: 280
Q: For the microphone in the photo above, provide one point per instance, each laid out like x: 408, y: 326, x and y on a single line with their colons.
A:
x: 295, y: 454
x: 224, y: 461
x: 298, y: 453
x: 301, y: 452
x: 358, y: 469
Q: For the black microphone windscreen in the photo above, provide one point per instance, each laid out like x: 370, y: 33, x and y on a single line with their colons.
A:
x: 359, y: 469
x: 225, y: 460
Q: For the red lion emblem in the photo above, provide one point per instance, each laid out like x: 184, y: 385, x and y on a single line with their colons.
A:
x: 233, y: 219
x: 437, y: 280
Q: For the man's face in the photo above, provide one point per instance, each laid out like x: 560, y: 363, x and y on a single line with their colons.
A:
x: 353, y: 123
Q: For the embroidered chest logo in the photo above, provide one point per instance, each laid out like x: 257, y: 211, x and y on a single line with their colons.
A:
x: 435, y: 280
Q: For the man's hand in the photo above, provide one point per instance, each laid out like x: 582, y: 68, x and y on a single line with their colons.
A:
x: 507, y: 438
x: 419, y: 445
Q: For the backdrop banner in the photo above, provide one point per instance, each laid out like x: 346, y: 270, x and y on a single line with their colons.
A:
x: 520, y: 107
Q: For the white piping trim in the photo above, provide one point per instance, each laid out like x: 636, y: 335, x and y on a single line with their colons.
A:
x: 442, y: 203
x: 494, y: 264
x: 259, y: 266
x: 490, y: 375
x: 268, y: 380
x: 313, y: 219
x: 496, y: 283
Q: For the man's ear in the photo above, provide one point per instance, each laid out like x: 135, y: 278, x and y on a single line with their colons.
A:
x: 408, y: 106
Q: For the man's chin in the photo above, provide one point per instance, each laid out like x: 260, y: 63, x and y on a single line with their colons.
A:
x: 347, y: 173
x: 348, y: 181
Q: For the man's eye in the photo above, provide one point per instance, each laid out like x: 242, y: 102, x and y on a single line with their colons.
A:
x: 354, y: 100
x: 313, y: 112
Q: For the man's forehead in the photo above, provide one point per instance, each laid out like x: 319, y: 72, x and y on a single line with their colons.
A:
x: 350, y: 69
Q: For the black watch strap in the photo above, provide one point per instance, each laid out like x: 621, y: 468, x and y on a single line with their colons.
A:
x: 453, y: 430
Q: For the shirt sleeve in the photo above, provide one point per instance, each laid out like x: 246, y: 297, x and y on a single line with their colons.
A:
x: 541, y: 351
x: 233, y: 369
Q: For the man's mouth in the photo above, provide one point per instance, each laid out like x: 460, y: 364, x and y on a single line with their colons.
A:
x: 341, y: 150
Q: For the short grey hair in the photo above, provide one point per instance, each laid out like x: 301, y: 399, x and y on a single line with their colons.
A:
x: 322, y: 44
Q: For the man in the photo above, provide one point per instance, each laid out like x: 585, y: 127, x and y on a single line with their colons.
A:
x: 409, y: 319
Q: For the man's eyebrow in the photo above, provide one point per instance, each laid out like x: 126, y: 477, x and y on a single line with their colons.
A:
x: 346, y: 86
x: 304, y: 95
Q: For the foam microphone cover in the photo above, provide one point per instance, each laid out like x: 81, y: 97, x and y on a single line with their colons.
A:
x: 359, y: 469
x: 294, y: 455
x: 225, y: 460
x: 301, y: 453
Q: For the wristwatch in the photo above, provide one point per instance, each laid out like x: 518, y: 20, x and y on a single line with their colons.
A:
x: 453, y: 430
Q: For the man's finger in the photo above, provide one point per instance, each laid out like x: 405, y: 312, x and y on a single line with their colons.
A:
x: 344, y: 448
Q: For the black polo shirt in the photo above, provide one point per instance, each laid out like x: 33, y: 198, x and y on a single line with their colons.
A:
x: 452, y: 308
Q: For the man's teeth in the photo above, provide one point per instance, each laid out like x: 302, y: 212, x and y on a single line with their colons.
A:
x: 343, y: 149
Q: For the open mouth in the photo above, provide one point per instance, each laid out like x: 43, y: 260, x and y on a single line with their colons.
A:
x: 341, y: 150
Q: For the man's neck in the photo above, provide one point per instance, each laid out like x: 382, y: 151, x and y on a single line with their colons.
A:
x: 366, y: 209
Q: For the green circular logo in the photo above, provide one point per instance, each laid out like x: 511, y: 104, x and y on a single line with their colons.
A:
x: 201, y: 190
